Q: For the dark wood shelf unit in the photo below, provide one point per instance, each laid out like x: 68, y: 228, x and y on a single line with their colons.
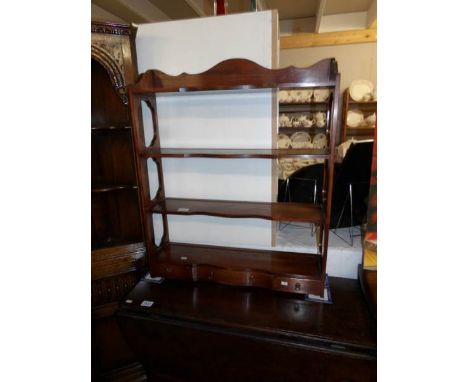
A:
x: 234, y: 153
x: 298, y: 212
x: 305, y: 273
x: 367, y: 108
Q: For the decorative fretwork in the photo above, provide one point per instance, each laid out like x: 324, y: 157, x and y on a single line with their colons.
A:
x: 110, y: 57
x: 110, y: 29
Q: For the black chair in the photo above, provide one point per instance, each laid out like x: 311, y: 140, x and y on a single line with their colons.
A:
x: 351, y: 187
x: 303, y: 186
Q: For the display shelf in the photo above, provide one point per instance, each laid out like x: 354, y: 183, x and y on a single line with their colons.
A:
x: 367, y: 107
x: 298, y: 212
x: 281, y: 271
x: 235, y: 153
x: 285, y: 271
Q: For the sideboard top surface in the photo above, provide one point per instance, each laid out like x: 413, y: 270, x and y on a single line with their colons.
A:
x: 261, y: 312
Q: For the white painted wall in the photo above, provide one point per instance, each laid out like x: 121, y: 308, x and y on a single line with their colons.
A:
x: 343, y: 22
x: 356, y: 61
x: 213, y: 120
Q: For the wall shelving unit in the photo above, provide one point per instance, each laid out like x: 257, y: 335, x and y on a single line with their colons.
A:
x: 302, y: 273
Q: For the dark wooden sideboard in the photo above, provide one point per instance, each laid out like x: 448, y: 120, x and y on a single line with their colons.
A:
x: 209, y: 332
x: 117, y: 253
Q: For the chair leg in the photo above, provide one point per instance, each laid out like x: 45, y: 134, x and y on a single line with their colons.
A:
x: 351, y: 228
x: 319, y: 237
x: 342, y: 211
x: 314, y: 227
x: 351, y: 213
x: 348, y: 196
x: 287, y: 197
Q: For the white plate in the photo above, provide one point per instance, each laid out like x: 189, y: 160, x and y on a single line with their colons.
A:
x: 360, y: 89
x: 320, y: 141
x: 300, y: 140
x: 354, y: 118
x: 284, y: 142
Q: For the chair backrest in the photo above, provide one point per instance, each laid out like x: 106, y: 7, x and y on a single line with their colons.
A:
x: 305, y: 185
x: 356, y: 165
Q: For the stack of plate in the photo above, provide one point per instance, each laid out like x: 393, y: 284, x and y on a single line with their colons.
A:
x: 361, y: 90
x: 355, y: 118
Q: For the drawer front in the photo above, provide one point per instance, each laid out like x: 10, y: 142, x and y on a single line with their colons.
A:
x: 171, y: 271
x: 297, y: 285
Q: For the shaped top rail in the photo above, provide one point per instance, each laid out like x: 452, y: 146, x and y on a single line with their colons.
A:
x: 238, y: 74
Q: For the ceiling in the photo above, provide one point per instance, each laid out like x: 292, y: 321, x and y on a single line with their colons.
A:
x: 296, y: 16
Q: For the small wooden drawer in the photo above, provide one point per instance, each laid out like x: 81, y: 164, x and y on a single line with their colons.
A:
x: 297, y: 285
x: 171, y: 271
x: 235, y: 277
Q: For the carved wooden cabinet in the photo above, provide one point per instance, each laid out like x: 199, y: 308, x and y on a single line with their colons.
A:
x: 117, y: 251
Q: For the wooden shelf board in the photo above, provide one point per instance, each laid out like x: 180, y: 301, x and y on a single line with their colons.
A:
x: 112, y: 187
x: 360, y: 131
x: 306, y: 129
x: 298, y: 212
x: 370, y: 103
x: 114, y: 242
x: 272, y: 262
x: 363, y: 107
x: 304, y: 104
x: 110, y: 128
x: 235, y: 153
